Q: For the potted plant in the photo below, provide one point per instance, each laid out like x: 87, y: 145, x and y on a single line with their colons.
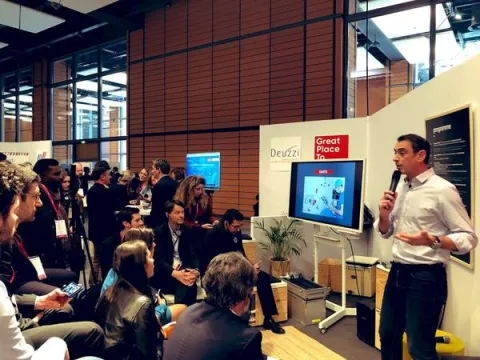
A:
x: 283, y: 239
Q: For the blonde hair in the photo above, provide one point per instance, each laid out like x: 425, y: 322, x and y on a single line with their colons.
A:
x: 127, y: 175
x: 186, y: 194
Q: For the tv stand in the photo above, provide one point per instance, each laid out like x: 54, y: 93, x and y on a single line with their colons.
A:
x: 339, y: 311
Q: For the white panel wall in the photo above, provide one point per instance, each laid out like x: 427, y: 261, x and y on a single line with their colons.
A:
x: 275, y: 186
x: 450, y: 90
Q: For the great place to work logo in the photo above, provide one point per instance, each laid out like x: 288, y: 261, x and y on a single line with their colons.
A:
x: 284, y: 150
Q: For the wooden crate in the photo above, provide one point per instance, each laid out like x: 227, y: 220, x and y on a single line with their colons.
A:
x: 381, y: 281
x: 280, y: 294
x: 250, y: 247
x: 330, y: 274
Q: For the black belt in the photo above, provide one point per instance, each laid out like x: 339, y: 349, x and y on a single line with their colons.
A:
x: 417, y: 267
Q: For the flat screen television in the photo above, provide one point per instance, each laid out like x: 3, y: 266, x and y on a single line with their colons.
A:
x: 206, y: 165
x: 329, y: 193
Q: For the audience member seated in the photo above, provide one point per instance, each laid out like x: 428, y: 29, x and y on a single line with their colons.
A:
x: 82, y: 338
x: 24, y: 277
x: 101, y: 215
x: 127, y: 218
x: 198, y: 205
x: 178, y: 174
x: 47, y: 236
x: 216, y: 329
x: 163, y: 191
x: 176, y: 264
x: 165, y: 313
x: 142, y: 187
x: 227, y: 237
x: 127, y: 309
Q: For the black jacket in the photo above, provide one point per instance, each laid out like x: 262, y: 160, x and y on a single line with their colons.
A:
x: 107, y: 251
x: 163, y: 191
x: 164, y: 253
x: 39, y: 236
x: 206, y: 332
x: 119, y: 194
x: 101, y: 213
x: 132, y: 331
x: 219, y: 241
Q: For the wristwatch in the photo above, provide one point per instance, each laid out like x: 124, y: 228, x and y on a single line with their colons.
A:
x: 437, y: 244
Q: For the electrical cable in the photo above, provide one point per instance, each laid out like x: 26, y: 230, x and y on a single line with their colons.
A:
x: 353, y: 256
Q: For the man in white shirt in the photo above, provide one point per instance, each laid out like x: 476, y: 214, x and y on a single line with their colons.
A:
x: 428, y: 221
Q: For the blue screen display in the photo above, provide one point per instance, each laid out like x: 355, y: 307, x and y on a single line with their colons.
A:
x: 206, y: 165
x: 327, y: 192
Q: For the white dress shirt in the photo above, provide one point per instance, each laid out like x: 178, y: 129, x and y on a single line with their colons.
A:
x: 12, y: 343
x: 429, y: 203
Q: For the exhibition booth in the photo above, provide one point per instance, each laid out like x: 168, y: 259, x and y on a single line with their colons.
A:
x: 444, y: 110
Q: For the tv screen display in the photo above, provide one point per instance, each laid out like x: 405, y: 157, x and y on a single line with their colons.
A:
x: 206, y: 165
x: 328, y: 192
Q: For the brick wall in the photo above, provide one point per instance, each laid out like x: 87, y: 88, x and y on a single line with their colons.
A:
x: 203, y: 75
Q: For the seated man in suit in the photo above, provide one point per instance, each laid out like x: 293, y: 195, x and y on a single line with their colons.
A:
x: 215, y: 329
x: 226, y: 237
x: 176, y: 265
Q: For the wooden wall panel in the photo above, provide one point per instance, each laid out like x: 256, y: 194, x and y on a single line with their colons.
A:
x: 135, y: 154
x: 135, y: 45
x: 286, y: 84
x: 200, y: 22
x: 155, y: 33
x: 176, y: 27
x: 176, y: 149
x: 286, y: 12
x: 176, y: 93
x: 255, y: 16
x: 255, y: 81
x: 200, y: 95
x: 155, y: 96
x: 226, y: 19
x: 135, y: 99
x: 319, y: 71
x: 154, y: 149
x: 226, y: 85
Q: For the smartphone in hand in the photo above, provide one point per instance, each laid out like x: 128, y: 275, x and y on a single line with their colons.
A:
x: 72, y: 289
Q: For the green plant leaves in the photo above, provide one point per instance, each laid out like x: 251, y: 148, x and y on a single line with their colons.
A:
x: 283, y: 239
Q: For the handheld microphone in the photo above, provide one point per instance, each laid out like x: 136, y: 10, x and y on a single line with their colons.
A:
x: 442, y: 339
x: 395, y: 179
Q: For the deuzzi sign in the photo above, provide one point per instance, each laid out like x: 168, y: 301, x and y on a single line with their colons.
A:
x: 284, y: 150
x: 331, y: 147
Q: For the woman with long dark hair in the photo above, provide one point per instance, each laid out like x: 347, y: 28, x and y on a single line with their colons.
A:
x: 127, y: 309
x: 198, y: 205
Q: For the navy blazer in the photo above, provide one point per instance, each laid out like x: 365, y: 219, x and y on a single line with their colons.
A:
x: 164, y: 253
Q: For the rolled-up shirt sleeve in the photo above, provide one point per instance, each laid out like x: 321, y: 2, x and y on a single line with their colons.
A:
x: 390, y: 231
x: 456, y: 217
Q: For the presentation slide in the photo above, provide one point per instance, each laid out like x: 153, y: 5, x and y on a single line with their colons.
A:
x: 206, y: 165
x: 327, y: 192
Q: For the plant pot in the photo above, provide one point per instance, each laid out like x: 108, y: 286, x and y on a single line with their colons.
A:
x: 279, y: 268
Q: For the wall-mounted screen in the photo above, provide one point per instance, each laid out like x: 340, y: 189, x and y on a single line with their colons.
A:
x: 206, y: 165
x: 328, y: 192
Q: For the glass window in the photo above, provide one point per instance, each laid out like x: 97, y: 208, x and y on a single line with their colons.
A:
x: 62, y: 70
x: 86, y: 125
x: 115, y: 152
x: 364, y: 5
x: 9, y: 116
x: 114, y: 56
x: 87, y: 63
x: 63, y: 153
x: 62, y: 113
x: 26, y: 116
x: 114, y: 105
x: 10, y: 84
x: 26, y: 80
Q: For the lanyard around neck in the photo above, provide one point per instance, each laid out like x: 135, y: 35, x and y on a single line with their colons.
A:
x: 50, y: 198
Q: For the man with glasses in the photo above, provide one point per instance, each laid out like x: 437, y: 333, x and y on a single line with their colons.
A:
x: 227, y: 237
x: 47, y: 236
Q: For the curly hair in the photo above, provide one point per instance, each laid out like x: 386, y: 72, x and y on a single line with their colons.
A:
x: 13, y: 180
x: 186, y: 194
